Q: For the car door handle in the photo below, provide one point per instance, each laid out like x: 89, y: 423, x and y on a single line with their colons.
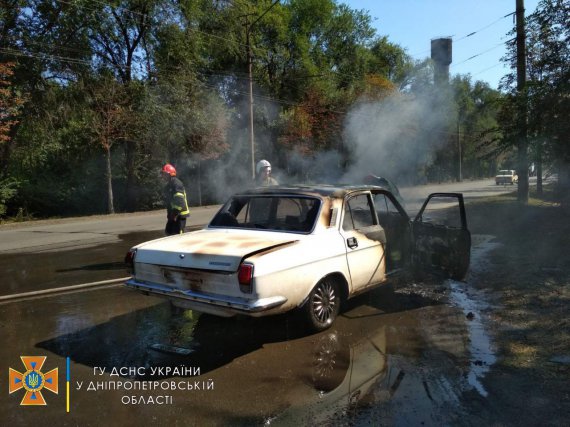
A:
x: 352, y: 242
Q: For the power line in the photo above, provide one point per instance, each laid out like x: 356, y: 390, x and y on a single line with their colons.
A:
x: 476, y: 55
x: 485, y: 27
x: 235, y: 91
x: 45, y: 56
x: 487, y: 69
x: 472, y: 33
x: 139, y: 14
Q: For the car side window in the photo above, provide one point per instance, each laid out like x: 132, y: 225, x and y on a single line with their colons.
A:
x: 442, y: 211
x: 241, y: 214
x: 384, y: 205
x: 358, y: 213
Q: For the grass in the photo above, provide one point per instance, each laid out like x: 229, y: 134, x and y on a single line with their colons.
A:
x: 529, y: 277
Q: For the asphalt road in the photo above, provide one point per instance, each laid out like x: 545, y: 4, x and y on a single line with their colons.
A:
x: 85, y: 232
x: 391, y: 358
x: 42, y: 255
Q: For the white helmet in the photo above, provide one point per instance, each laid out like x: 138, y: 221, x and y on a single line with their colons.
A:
x: 262, y: 164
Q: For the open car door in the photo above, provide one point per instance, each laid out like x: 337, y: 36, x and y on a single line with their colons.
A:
x: 441, y: 239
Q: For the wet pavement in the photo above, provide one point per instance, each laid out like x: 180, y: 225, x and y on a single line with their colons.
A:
x: 68, y: 266
x: 414, y: 354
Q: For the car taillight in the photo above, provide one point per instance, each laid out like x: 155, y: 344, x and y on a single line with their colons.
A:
x: 245, y: 277
x: 130, y: 261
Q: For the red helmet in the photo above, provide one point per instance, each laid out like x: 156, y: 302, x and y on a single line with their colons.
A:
x: 169, y: 169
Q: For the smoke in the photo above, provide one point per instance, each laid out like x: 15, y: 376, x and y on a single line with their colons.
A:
x: 395, y: 138
x: 324, y: 167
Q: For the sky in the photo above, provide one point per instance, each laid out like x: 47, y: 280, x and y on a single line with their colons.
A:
x: 412, y: 24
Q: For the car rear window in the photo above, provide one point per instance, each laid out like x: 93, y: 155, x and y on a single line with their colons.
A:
x: 273, y: 213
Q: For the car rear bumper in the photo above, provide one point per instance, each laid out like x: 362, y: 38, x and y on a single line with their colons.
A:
x: 219, y: 305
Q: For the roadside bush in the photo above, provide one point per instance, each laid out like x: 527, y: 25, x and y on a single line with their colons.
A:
x: 8, y: 190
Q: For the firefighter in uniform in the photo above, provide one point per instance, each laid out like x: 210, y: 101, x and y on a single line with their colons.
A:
x: 175, y: 200
x: 263, y: 176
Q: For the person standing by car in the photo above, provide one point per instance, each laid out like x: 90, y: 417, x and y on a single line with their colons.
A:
x: 263, y: 176
x: 175, y: 200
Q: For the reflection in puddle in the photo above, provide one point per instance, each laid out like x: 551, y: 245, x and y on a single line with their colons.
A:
x: 392, y: 358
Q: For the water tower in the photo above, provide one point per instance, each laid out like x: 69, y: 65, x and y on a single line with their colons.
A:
x: 441, y: 56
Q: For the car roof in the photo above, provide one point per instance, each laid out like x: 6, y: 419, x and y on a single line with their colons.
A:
x: 319, y: 190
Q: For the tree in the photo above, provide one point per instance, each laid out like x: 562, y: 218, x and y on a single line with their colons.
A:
x: 548, y: 76
x: 477, y: 132
x: 111, y: 121
x: 10, y: 106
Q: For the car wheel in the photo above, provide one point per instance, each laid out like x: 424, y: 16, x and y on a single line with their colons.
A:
x: 461, y: 267
x: 323, y: 305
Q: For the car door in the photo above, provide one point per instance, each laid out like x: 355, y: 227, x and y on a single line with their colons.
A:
x: 441, y: 239
x: 396, y: 224
x: 364, y: 241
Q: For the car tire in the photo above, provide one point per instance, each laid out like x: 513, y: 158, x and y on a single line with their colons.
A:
x: 461, y: 268
x: 323, y: 305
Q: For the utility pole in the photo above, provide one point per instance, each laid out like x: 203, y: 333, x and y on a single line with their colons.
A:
x: 459, y: 175
x: 250, y: 75
x: 522, y: 194
x: 248, y: 28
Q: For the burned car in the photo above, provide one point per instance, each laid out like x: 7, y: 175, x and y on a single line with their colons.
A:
x: 276, y: 249
x: 380, y: 181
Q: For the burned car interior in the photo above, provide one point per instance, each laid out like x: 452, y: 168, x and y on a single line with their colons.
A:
x: 289, y: 214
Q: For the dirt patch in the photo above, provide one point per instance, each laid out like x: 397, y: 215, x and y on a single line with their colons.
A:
x: 527, y: 281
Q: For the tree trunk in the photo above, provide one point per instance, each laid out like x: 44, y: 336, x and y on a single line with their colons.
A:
x: 538, y: 169
x: 564, y: 186
x: 199, y: 182
x: 109, y: 177
x: 130, y: 153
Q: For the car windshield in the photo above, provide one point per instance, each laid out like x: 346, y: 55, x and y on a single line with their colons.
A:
x: 269, y: 212
x: 505, y: 172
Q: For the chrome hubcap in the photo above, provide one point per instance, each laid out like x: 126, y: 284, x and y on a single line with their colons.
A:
x: 324, y: 302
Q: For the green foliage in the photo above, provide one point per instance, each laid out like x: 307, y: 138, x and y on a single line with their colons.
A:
x: 547, y: 85
x: 114, y: 89
x: 8, y: 190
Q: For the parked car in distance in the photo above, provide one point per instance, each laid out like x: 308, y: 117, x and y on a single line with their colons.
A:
x: 506, y: 176
x: 272, y: 250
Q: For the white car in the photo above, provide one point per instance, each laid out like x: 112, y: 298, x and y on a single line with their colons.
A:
x: 275, y: 249
x: 507, y: 176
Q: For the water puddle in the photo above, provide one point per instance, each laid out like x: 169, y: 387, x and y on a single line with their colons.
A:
x: 473, y: 305
x: 403, y: 356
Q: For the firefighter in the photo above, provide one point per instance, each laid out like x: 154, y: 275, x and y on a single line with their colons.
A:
x: 175, y: 200
x: 263, y: 176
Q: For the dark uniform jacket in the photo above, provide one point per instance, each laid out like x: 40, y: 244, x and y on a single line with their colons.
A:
x: 175, y: 199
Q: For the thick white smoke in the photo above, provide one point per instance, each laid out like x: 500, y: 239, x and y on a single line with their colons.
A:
x: 395, y: 138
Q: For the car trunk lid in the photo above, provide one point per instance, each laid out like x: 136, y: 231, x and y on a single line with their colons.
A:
x: 218, y: 250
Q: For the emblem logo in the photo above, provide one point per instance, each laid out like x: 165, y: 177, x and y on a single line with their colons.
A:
x: 33, y: 380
